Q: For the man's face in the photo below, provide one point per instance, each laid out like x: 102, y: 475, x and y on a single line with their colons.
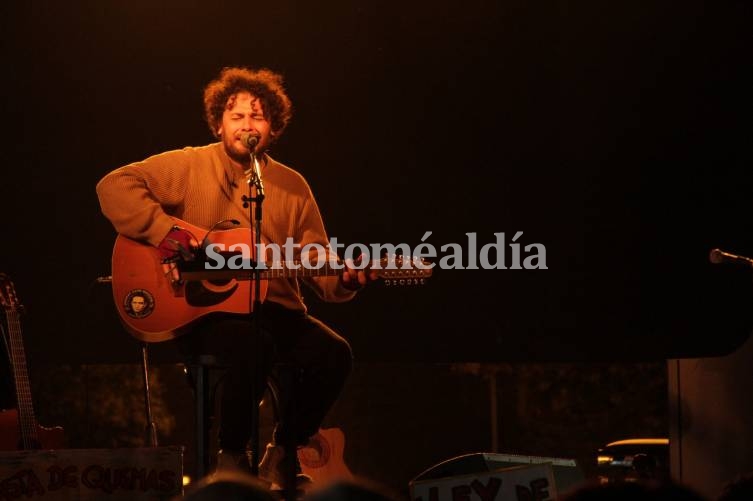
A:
x: 244, y: 113
x: 137, y: 304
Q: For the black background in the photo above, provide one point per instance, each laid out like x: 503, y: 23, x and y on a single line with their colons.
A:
x: 617, y: 134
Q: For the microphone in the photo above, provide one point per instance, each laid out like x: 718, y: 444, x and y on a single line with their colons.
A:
x: 718, y: 256
x: 249, y: 140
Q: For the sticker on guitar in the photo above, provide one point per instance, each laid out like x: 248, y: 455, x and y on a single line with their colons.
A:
x: 138, y: 303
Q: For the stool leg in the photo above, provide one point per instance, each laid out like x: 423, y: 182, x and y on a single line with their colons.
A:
x: 201, y: 376
x: 290, y: 487
x: 289, y: 378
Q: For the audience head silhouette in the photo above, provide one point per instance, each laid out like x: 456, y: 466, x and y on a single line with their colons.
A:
x: 229, y: 486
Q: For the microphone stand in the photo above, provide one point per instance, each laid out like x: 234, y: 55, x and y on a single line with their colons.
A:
x: 255, y: 184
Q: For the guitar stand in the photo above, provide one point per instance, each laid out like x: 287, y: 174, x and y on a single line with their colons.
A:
x: 151, y: 427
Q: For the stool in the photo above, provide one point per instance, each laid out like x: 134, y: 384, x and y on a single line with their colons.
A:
x: 198, y: 371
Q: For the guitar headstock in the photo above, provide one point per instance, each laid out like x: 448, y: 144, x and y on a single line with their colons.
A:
x: 401, y: 270
x: 8, y: 296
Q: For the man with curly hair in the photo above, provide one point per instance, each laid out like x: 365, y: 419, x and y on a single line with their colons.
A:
x: 204, y: 185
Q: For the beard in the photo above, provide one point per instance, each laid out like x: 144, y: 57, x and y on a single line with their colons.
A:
x: 237, y: 151
x: 239, y: 154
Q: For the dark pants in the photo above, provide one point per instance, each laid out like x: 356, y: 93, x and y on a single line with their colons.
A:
x: 321, y: 357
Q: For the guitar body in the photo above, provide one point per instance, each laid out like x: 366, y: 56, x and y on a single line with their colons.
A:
x: 167, y: 308
x: 156, y: 303
x: 10, y: 437
x: 322, y: 459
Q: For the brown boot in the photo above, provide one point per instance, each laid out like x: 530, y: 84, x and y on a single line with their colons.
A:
x: 272, y: 468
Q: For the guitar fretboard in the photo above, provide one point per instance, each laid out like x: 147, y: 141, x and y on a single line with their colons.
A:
x: 296, y: 269
x: 287, y: 269
x: 26, y: 418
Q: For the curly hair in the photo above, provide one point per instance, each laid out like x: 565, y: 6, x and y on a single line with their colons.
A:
x: 263, y: 83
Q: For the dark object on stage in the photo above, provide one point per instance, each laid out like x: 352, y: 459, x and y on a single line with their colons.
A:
x: 567, y: 473
x: 19, y: 427
x: 634, y: 459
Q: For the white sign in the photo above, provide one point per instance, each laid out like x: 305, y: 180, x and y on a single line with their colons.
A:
x: 519, y: 483
x: 88, y: 474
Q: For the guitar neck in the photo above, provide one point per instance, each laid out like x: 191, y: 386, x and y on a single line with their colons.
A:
x: 26, y: 418
x: 291, y: 269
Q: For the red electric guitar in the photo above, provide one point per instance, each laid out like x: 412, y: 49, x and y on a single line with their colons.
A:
x: 20, y: 430
x: 157, y: 304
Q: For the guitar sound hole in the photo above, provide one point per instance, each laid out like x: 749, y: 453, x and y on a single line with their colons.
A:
x: 219, y: 283
x: 198, y: 295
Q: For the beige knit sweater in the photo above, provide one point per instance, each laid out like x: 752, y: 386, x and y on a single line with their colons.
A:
x: 201, y: 186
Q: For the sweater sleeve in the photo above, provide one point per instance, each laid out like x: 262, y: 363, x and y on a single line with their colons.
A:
x: 329, y: 289
x: 135, y: 197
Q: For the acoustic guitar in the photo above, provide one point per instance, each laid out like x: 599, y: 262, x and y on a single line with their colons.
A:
x: 20, y: 430
x: 158, y: 301
x: 322, y: 458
